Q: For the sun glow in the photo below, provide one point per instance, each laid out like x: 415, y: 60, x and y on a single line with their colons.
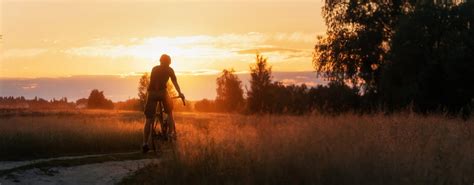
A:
x: 203, y: 52
x: 129, y: 37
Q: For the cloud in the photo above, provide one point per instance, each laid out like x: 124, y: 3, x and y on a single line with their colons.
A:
x: 296, y: 37
x: 288, y: 81
x: 29, y: 86
x: 285, y: 51
x: 150, y: 48
x: 301, y: 77
x: 296, y: 81
x: 19, y: 53
x: 199, y: 72
x: 194, y: 46
x: 267, y: 50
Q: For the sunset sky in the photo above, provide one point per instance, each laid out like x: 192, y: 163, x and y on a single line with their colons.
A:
x: 63, y: 38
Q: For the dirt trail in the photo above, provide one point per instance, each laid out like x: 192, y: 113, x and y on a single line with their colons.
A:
x: 96, y: 173
x: 6, y: 165
x: 100, y: 173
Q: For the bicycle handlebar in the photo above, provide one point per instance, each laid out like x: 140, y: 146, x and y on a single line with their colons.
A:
x: 182, y: 99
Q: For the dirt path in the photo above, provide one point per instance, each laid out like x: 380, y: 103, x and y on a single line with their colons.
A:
x: 100, y: 173
x: 6, y: 165
x: 109, y: 172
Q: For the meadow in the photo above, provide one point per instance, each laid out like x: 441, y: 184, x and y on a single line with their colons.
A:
x: 41, y: 134
x: 261, y: 149
x: 346, y: 149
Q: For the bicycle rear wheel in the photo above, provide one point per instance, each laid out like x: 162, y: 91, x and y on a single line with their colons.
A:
x: 154, y: 139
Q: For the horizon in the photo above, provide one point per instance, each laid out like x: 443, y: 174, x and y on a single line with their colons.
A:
x: 123, y: 87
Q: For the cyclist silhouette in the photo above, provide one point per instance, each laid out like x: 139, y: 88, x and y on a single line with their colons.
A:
x: 157, y: 92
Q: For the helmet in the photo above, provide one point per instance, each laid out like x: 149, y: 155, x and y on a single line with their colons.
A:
x: 165, y: 59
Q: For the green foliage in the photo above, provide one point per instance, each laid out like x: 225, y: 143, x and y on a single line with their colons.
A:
x: 229, y: 90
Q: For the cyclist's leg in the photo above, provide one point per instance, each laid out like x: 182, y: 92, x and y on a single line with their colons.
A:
x: 171, y: 122
x: 147, y: 130
x: 150, y: 109
x: 168, y: 106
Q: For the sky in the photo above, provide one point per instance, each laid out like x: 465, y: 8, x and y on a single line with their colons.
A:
x: 67, y: 38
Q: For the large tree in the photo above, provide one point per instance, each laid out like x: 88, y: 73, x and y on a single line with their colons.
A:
x: 432, y: 60
x: 229, y: 91
x: 400, y: 52
x: 259, y: 95
x: 357, y: 40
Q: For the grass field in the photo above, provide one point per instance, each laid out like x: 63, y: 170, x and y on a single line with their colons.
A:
x: 49, y: 134
x: 348, y: 149
x: 239, y: 149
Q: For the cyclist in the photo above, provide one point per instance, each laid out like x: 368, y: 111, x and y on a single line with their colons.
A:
x: 157, y: 92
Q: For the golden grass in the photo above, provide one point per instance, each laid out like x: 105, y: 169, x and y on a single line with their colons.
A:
x: 268, y: 149
x: 347, y: 149
x: 49, y: 134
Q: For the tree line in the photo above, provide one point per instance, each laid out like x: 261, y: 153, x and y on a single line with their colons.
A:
x: 10, y: 102
x: 268, y: 96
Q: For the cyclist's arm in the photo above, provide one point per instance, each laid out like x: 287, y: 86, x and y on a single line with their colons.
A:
x: 175, y: 82
x: 176, y: 85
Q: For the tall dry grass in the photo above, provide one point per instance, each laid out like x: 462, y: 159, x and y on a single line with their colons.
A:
x: 49, y: 134
x: 347, y: 149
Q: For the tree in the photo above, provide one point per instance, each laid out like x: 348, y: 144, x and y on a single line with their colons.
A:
x: 81, y: 102
x: 130, y: 104
x: 432, y: 61
x: 291, y: 99
x: 205, y: 105
x: 334, y: 98
x: 357, y: 40
x: 142, y: 88
x: 258, y: 97
x: 400, y: 52
x: 229, y: 91
x: 97, y: 100
x: 359, y: 35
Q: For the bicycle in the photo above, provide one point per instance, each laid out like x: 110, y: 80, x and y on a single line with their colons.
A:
x: 165, y: 134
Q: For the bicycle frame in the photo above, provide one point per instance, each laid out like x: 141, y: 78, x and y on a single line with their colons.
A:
x: 165, y: 134
x: 165, y: 131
